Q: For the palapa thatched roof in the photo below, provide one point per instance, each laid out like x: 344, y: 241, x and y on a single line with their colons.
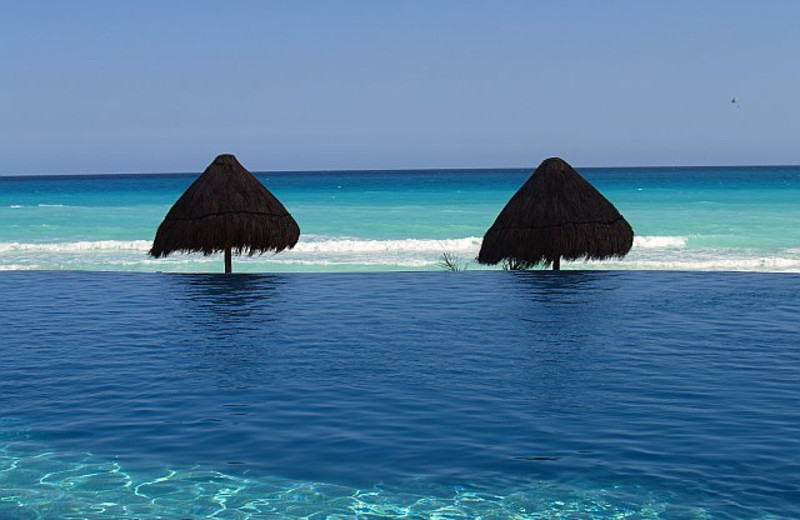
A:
x: 556, y: 214
x: 226, y: 207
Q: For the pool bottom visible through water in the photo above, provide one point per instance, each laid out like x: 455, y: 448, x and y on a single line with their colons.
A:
x: 586, y: 395
x: 42, y: 484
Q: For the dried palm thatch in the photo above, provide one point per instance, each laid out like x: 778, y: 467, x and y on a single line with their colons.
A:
x: 226, y: 209
x: 556, y: 214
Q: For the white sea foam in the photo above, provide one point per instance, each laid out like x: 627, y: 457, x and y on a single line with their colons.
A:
x: 312, y: 244
x: 316, y: 244
x: 50, y: 205
x: 455, y: 245
x: 15, y: 206
x: 660, y: 241
x: 353, y: 245
x: 770, y: 264
x: 348, y: 252
x: 343, y: 262
x: 76, y: 247
x: 329, y: 253
x: 17, y: 267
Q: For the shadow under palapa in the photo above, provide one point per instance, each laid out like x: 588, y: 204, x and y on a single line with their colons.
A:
x: 225, y: 325
x: 563, y: 326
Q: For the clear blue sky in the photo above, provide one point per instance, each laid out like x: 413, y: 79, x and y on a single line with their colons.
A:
x: 153, y: 86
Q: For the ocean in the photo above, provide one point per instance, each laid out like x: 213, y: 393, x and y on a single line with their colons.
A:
x: 730, y: 219
x: 579, y: 395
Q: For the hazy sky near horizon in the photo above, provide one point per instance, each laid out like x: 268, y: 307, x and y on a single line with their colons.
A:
x: 160, y: 86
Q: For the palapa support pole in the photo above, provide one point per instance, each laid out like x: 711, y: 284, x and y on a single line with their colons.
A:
x: 228, y: 262
x: 557, y: 263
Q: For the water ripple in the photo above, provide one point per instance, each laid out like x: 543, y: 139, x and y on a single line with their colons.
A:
x: 541, y: 395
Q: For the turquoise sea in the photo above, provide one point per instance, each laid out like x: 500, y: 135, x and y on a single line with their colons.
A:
x: 737, y: 218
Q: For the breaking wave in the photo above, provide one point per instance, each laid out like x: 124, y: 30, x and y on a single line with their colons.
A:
x: 17, y: 206
x: 320, y: 244
x: 653, y: 242
x: 327, y: 253
x: 77, y: 247
x: 316, y: 244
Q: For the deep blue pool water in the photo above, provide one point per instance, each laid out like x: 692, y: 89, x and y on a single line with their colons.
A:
x: 579, y: 395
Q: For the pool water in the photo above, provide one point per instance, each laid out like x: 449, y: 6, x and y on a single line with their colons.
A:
x: 580, y: 395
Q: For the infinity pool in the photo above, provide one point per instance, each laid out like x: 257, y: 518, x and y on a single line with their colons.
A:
x: 571, y: 395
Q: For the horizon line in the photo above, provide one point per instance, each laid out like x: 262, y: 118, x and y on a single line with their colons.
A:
x: 367, y: 170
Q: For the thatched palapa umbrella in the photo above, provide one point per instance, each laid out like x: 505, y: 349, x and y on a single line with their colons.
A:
x: 556, y: 214
x: 226, y: 209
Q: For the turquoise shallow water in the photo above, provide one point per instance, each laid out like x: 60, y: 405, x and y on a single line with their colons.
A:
x: 685, y: 218
x: 585, y: 395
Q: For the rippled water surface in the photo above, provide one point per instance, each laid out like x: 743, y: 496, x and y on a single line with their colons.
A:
x: 580, y: 395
